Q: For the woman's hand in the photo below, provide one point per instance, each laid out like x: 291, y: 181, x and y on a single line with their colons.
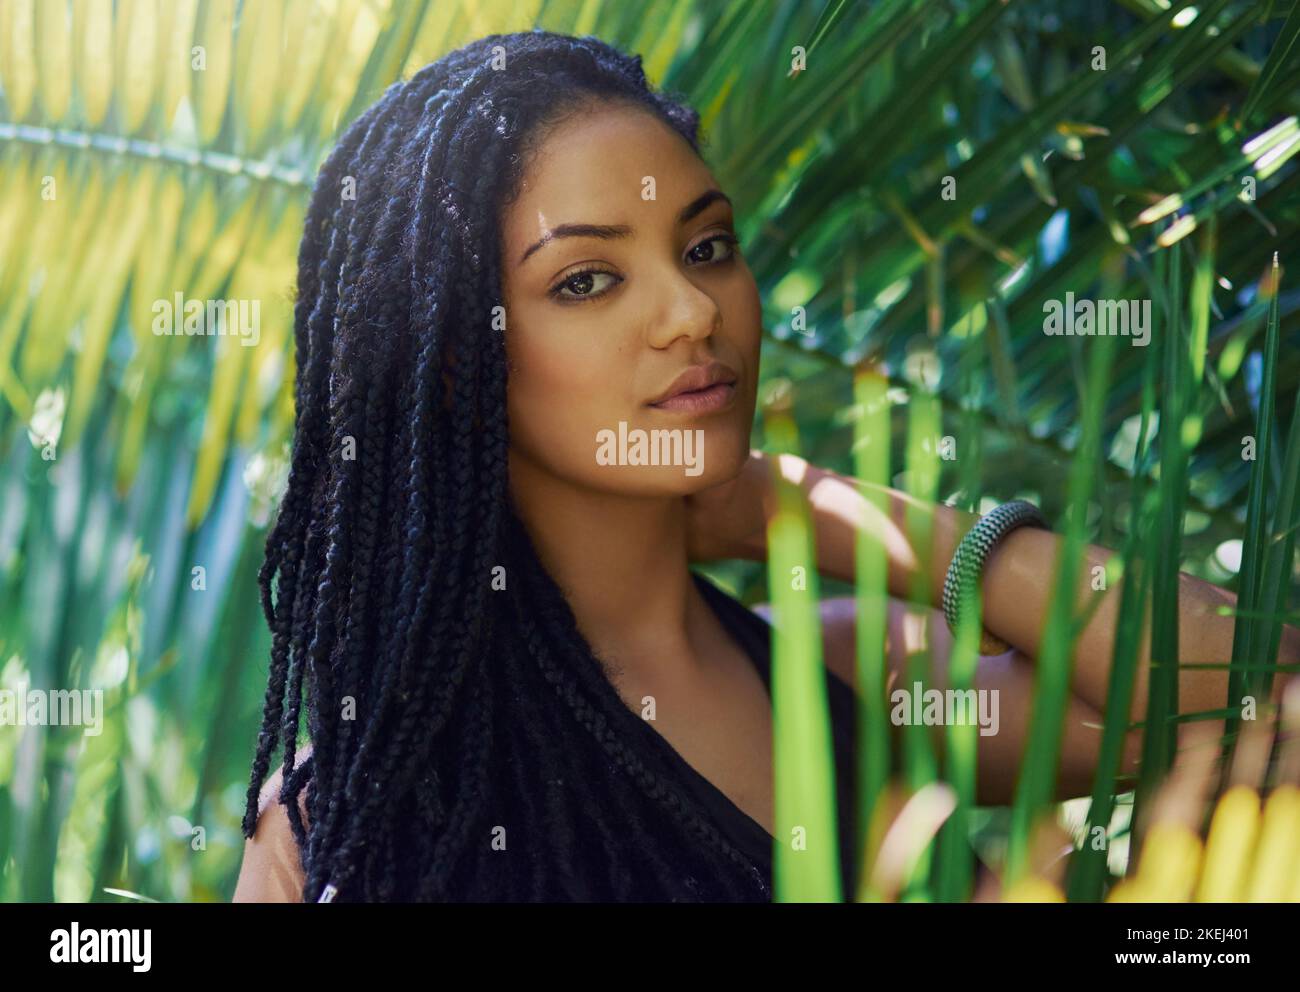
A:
x: 730, y: 520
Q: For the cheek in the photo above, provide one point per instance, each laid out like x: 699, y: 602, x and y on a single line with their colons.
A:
x: 744, y: 313
x: 754, y: 332
x: 559, y: 395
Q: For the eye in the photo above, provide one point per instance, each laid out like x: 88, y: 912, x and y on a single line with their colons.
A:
x: 733, y: 246
x: 581, y: 283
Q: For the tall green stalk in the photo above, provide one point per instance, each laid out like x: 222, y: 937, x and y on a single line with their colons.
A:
x: 956, y: 868
x: 1250, y: 594
x: 1037, y: 784
x: 806, y: 858
x: 871, y: 600
x: 920, y: 762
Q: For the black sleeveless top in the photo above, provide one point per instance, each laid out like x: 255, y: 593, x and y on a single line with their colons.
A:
x: 753, y: 634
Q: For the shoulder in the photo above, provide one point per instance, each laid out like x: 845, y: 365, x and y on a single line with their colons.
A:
x: 272, y: 866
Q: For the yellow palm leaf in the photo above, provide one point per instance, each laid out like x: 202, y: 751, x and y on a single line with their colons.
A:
x: 258, y: 56
x: 1168, y: 868
x: 175, y: 36
x: 18, y: 55
x: 1233, y: 833
x: 93, y: 33
x: 99, y: 319
x: 311, y: 26
x: 1277, y: 858
x: 215, y: 37
x: 137, y: 45
x: 54, y: 55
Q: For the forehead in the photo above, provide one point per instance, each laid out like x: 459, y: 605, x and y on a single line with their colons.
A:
x: 593, y: 167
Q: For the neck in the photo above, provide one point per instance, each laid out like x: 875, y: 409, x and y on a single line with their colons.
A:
x: 621, y: 563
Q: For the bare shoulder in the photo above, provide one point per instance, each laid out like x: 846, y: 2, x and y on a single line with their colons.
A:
x: 272, y: 867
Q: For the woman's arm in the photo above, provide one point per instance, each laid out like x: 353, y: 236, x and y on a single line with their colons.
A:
x: 1018, y: 576
x: 1017, y: 587
x: 1007, y: 680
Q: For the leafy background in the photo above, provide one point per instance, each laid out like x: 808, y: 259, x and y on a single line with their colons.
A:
x: 129, y: 460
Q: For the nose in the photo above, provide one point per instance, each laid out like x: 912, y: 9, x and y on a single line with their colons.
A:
x: 686, y: 312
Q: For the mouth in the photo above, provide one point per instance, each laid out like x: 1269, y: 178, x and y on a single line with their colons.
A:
x: 707, y: 400
x: 699, y: 389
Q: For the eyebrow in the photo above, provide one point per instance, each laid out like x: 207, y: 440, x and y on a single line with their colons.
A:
x: 609, y: 232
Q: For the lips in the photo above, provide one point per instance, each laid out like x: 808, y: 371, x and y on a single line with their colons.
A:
x: 699, y: 389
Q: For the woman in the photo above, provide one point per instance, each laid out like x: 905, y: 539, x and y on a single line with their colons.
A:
x: 516, y: 689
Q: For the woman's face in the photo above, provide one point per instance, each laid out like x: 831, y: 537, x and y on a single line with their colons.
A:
x: 601, y: 322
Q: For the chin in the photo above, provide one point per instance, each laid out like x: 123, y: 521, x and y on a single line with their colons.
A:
x: 672, y: 455
x: 726, y: 459
x: 658, y: 467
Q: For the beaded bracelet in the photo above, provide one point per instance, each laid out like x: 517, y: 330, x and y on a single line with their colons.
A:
x: 968, y: 561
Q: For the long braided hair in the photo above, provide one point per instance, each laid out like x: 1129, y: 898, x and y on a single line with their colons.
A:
x: 466, y: 744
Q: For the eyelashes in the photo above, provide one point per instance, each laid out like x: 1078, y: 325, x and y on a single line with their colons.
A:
x: 556, y: 291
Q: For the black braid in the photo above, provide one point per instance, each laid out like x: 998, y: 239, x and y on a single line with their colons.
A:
x: 475, y: 708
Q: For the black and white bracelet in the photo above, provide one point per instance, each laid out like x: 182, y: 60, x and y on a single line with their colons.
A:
x: 972, y: 551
